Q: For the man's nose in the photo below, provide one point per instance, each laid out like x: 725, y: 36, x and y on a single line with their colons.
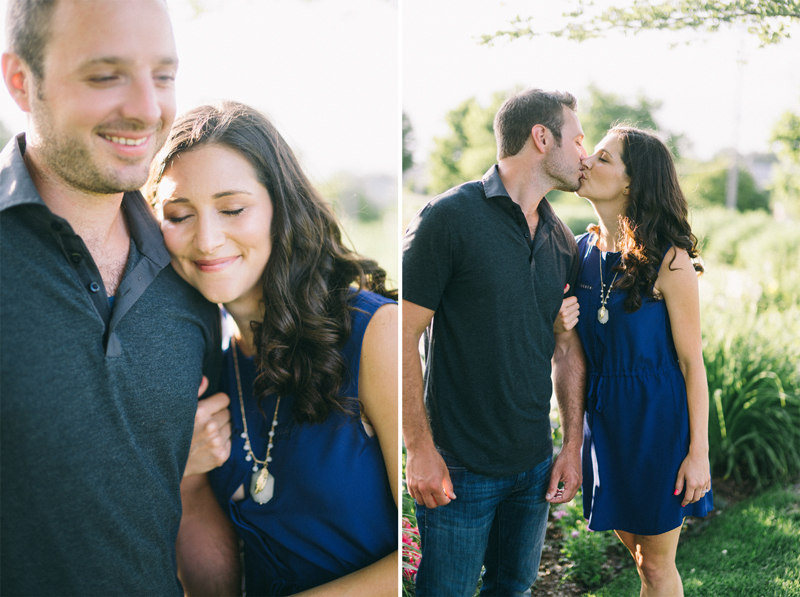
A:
x: 142, y: 102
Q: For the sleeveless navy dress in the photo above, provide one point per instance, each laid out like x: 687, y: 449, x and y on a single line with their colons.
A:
x: 332, y: 510
x: 636, y: 426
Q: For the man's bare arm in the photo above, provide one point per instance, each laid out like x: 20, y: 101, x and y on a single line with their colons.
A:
x: 207, y: 546
x: 427, y: 477
x: 569, y: 376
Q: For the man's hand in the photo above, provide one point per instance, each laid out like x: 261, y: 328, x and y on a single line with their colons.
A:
x: 427, y: 478
x: 567, y: 315
x: 211, y: 439
x: 565, y: 477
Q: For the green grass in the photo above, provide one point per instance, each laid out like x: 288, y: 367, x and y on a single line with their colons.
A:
x: 750, y: 550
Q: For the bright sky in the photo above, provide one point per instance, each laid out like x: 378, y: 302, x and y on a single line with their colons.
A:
x: 325, y: 72
x: 443, y: 65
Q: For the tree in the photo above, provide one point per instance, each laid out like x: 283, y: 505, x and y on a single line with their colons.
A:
x: 604, y: 110
x: 786, y: 175
x: 770, y: 20
x: 408, y: 141
x: 708, y: 187
x: 469, y: 150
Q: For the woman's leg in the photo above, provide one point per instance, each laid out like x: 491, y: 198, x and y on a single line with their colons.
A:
x: 655, y: 561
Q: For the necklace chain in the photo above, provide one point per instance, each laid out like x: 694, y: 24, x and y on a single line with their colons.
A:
x: 602, y: 312
x: 246, y: 435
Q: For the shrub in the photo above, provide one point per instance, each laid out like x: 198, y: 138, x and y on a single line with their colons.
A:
x: 708, y: 188
x: 754, y: 393
x: 587, y: 551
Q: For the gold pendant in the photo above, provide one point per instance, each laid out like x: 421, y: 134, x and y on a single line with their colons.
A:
x: 262, y: 480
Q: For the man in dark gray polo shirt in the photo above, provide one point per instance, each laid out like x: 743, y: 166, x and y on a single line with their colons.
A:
x: 485, y: 266
x: 103, y: 345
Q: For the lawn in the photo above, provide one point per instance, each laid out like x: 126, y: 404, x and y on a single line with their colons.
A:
x: 749, y: 550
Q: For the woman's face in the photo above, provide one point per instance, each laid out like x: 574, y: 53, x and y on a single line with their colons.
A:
x: 216, y: 223
x: 604, y: 172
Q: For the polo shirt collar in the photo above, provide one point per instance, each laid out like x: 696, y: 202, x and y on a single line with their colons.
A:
x: 17, y: 188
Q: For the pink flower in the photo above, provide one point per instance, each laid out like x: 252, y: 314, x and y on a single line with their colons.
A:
x: 575, y: 534
x: 559, y: 514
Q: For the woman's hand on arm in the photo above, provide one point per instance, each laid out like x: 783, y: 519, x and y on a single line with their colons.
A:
x: 377, y: 392
x: 677, y: 282
x: 567, y: 314
x: 211, y: 438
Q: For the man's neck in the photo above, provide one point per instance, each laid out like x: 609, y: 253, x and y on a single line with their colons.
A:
x: 98, y: 219
x: 525, y: 189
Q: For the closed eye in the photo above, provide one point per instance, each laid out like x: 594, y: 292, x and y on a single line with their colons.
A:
x: 233, y: 212
x: 176, y: 219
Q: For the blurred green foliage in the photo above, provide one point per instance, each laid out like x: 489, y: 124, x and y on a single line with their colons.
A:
x: 704, y: 185
x: 603, y: 110
x: 751, y: 324
x: 786, y: 175
x: 770, y: 20
x: 408, y: 140
x: 470, y: 149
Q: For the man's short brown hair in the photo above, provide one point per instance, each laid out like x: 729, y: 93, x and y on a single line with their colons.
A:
x: 522, y: 111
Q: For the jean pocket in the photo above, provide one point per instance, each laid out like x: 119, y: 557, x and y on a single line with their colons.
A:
x: 453, y: 464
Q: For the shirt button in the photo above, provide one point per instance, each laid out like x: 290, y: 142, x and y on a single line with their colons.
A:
x: 94, y: 286
x: 76, y: 257
x: 56, y: 226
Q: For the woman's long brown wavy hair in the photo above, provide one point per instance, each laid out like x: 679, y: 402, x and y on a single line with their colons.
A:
x: 308, y: 281
x: 655, y: 217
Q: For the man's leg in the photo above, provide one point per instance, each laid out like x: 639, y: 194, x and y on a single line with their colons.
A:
x: 517, y: 535
x: 454, y: 536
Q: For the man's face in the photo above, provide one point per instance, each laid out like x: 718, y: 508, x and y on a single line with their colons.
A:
x: 563, y: 163
x: 107, y: 100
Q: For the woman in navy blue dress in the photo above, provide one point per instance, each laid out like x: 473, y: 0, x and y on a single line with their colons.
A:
x: 307, y: 452
x: 645, y: 451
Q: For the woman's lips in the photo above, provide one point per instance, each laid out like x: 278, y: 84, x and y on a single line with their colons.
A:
x: 214, y: 265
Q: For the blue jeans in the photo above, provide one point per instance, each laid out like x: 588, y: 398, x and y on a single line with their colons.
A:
x: 495, y: 522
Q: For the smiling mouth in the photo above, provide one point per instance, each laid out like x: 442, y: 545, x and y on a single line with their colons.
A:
x: 125, y: 140
x: 213, y: 265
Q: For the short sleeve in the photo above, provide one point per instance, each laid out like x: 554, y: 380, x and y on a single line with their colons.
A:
x: 575, y: 262
x: 427, y: 257
x: 574, y: 270
x: 212, y: 360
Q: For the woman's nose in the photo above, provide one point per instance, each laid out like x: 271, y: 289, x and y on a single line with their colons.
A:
x: 210, y: 235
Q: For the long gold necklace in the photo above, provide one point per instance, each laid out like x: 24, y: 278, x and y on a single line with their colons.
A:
x: 602, y: 312
x: 262, y: 485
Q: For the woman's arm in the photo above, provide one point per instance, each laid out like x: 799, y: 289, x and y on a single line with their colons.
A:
x: 207, y: 546
x: 679, y: 287
x: 377, y: 392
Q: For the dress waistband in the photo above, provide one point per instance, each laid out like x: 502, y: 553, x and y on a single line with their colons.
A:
x: 595, y: 390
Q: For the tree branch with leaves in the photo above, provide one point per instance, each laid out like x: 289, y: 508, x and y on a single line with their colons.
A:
x: 770, y: 20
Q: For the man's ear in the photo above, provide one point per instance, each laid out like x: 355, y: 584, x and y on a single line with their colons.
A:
x: 19, y: 80
x: 542, y: 137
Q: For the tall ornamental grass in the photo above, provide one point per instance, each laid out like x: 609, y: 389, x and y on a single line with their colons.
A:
x: 754, y: 414
x: 751, y: 344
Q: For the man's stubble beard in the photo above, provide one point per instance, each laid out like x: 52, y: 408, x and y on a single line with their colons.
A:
x: 71, y: 160
x: 563, y: 178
